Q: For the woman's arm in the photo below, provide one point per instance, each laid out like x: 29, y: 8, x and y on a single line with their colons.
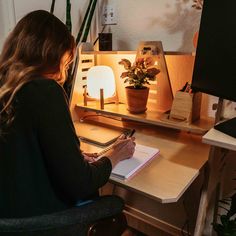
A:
x: 72, y: 176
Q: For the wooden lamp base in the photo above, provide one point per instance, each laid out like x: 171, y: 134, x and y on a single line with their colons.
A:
x: 113, y: 99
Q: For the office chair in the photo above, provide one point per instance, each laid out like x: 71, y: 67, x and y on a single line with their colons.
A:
x: 102, y: 217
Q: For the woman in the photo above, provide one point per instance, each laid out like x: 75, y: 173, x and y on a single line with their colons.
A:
x: 42, y: 169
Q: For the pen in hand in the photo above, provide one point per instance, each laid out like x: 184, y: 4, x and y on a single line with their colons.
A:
x: 109, y: 147
x: 130, y: 134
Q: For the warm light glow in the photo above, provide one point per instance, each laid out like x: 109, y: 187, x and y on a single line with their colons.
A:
x: 100, y: 77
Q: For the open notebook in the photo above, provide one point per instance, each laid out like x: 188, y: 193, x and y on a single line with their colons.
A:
x: 142, y: 155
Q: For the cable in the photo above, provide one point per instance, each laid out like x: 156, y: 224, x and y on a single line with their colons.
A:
x: 100, y: 33
x: 186, y: 223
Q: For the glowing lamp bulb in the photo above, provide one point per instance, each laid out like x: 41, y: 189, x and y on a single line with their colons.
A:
x: 100, y: 77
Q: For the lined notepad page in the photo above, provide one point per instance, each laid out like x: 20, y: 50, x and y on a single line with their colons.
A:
x: 142, y: 155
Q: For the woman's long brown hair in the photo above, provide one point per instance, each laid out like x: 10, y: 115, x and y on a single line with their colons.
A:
x: 35, y: 47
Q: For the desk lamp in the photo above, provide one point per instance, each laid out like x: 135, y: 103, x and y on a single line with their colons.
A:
x: 100, y: 85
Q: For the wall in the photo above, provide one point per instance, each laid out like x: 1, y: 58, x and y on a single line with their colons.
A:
x: 13, y: 10
x: 22, y: 7
x: 7, y: 19
x: 2, y: 26
x: 171, y: 21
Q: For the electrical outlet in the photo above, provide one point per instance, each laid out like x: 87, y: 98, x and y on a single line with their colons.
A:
x: 109, y: 15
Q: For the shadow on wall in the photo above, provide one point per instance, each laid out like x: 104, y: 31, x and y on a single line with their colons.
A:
x: 123, y: 44
x: 173, y: 22
x: 181, y: 19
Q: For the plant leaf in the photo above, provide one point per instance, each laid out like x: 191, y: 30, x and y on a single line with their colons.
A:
x: 124, y: 75
x: 89, y: 20
x: 126, y: 63
x: 232, y: 209
x: 68, y: 15
x: 139, y: 73
x: 52, y: 6
x: 83, y: 23
x: 224, y: 220
x: 153, y: 71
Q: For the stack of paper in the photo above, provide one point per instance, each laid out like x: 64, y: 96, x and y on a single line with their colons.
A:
x: 142, y: 155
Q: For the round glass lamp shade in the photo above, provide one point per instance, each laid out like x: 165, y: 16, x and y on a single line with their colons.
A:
x: 100, y: 77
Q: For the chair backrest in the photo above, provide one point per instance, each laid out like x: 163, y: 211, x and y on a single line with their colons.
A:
x: 75, y: 221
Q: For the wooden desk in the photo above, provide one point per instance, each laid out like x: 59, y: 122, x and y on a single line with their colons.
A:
x: 219, y: 139
x: 170, y: 177
x: 166, y: 178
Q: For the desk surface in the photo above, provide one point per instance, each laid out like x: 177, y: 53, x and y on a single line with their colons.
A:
x: 166, y: 178
x: 219, y: 139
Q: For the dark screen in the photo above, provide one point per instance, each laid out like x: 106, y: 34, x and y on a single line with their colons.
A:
x: 215, y: 63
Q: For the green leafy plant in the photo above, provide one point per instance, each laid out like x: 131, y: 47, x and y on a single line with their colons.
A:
x: 52, y: 6
x: 81, y: 36
x: 86, y: 23
x: 140, y: 73
x: 68, y: 15
x: 89, y: 20
x: 227, y: 224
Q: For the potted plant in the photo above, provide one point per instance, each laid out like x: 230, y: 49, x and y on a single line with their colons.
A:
x: 81, y: 36
x: 138, y: 75
x: 227, y: 224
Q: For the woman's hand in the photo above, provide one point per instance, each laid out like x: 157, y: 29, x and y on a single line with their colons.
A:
x: 90, y: 157
x: 122, y: 149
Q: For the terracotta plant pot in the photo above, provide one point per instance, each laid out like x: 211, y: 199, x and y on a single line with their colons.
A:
x: 136, y: 99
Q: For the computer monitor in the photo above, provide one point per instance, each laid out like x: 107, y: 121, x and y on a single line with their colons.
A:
x: 215, y: 63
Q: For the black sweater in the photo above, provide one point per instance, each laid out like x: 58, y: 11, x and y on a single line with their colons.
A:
x: 42, y: 169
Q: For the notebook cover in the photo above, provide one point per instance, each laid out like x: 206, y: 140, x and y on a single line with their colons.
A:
x: 228, y: 127
x: 97, y: 134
